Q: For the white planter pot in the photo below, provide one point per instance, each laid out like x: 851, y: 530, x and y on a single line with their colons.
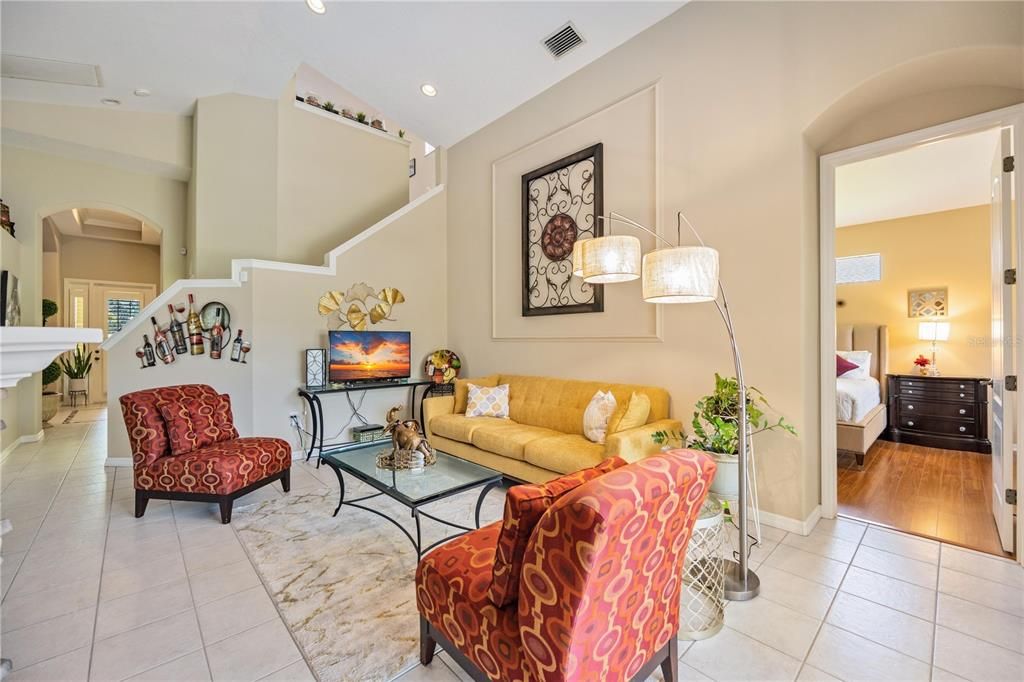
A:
x: 727, y: 477
x: 78, y: 384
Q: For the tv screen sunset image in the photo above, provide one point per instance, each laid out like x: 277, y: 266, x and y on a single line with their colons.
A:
x: 361, y: 356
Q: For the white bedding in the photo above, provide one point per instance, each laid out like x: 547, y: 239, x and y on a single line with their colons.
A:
x: 856, y: 397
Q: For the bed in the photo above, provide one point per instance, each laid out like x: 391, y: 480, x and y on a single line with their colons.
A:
x: 861, y: 401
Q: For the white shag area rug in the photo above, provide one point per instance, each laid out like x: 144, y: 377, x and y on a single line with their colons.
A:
x: 345, y: 584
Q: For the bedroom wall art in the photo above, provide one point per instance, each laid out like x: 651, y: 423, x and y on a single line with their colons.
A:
x: 560, y: 204
x: 933, y: 302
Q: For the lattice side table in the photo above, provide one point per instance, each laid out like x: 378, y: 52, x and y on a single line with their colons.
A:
x: 702, y: 601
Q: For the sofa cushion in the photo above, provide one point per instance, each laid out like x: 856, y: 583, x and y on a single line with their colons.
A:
x: 451, y: 593
x: 487, y: 401
x: 462, y: 390
x: 631, y: 415
x: 564, y: 454
x: 524, y: 505
x: 509, y: 440
x: 219, y: 469
x: 460, y: 427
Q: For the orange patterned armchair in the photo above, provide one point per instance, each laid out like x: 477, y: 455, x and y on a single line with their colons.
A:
x: 185, y: 447
x: 598, y: 595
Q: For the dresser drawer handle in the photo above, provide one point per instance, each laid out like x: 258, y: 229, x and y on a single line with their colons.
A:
x: 961, y: 395
x: 910, y: 423
x: 909, y: 391
x: 962, y: 429
x: 962, y: 386
x: 910, y: 407
x: 963, y: 411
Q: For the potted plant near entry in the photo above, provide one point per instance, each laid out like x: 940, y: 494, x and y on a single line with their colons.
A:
x: 716, y: 430
x: 52, y: 373
x: 76, y: 365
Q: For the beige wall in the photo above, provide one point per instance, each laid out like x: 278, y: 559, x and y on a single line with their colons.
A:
x: 742, y: 87
x: 110, y: 261
x: 948, y: 249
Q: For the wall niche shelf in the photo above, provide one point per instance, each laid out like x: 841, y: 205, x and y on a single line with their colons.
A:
x: 354, y: 124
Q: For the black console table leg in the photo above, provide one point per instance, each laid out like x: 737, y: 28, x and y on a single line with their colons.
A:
x: 341, y: 487
x: 480, y: 500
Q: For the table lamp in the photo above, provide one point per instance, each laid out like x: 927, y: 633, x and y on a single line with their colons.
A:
x: 677, y: 274
x: 933, y: 331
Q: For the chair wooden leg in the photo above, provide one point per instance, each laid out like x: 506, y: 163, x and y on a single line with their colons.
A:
x: 670, y: 666
x: 860, y: 459
x: 225, y: 510
x: 141, y: 500
x: 286, y: 480
x: 427, y: 643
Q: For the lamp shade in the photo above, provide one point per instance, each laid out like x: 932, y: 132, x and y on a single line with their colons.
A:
x: 577, y: 258
x: 611, y: 259
x: 685, y: 274
x: 933, y: 331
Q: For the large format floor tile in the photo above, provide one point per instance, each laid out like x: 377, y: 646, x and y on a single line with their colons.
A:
x: 851, y: 657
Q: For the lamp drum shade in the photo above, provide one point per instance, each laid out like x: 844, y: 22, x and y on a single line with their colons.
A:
x: 577, y: 258
x: 611, y: 259
x: 933, y: 331
x: 684, y: 274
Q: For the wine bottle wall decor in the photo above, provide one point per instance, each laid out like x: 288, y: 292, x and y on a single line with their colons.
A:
x: 202, y: 327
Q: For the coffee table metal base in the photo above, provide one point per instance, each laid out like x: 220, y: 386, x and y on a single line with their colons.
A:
x: 417, y: 542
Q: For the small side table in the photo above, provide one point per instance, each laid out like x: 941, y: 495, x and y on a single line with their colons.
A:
x: 73, y: 396
x: 702, y: 602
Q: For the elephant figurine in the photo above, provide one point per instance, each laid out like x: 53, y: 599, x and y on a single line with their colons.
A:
x: 406, y: 435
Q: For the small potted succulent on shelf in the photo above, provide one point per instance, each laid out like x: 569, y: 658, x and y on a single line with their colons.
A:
x: 401, y: 133
x: 312, y: 99
x: 77, y: 368
x: 361, y: 117
x: 378, y: 124
x: 921, y: 362
x: 329, y: 106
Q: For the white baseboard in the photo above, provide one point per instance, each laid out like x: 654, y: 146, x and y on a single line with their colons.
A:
x: 792, y: 525
x: 118, y: 462
x: 30, y: 438
x: 298, y: 454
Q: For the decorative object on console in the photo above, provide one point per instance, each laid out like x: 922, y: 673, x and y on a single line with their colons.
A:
x: 360, y: 311
x: 368, y: 433
x: 410, y: 449
x: 442, y: 366
x: 316, y: 367
x: 934, y: 332
x: 10, y: 300
x: 921, y: 362
x: 561, y: 203
x: 933, y: 302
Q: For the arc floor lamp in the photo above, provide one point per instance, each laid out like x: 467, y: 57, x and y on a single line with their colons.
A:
x: 677, y: 274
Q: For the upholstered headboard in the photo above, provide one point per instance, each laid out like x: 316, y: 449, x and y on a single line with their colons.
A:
x: 869, y: 337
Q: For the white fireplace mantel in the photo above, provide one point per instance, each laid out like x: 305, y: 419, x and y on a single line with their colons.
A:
x: 27, y: 350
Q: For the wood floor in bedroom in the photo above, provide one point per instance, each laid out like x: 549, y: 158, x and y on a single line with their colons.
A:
x: 941, y: 494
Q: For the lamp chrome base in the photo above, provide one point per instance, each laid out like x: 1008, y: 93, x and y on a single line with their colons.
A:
x: 735, y: 590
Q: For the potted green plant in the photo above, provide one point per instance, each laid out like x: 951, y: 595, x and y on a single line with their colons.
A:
x: 716, y: 429
x: 49, y: 310
x: 76, y: 365
x: 401, y: 133
x: 329, y: 106
x: 51, y: 397
x: 361, y: 117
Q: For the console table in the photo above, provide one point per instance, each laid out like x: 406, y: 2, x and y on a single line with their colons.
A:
x: 939, y: 412
x: 311, y: 394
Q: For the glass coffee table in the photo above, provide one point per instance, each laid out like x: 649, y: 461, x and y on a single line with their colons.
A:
x: 412, y: 488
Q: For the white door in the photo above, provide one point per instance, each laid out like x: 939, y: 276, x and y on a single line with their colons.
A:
x: 114, y: 305
x: 1002, y: 407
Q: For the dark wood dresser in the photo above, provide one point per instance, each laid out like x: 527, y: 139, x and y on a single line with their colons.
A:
x: 939, y: 412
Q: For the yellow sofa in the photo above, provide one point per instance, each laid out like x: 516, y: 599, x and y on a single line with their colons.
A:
x: 543, y: 437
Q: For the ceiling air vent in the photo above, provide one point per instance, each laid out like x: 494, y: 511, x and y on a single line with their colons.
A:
x: 563, y: 40
x: 49, y: 70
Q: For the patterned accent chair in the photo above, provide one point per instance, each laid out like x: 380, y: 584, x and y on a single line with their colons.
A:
x: 599, y: 592
x: 221, y: 472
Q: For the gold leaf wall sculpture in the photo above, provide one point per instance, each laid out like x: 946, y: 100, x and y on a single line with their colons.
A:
x: 367, y: 306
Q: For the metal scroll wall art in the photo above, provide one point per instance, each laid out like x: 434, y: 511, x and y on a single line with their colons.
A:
x: 561, y: 203
x: 190, y: 331
x: 360, y: 306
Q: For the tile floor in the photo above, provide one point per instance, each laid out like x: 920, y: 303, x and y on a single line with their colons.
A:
x: 89, y: 592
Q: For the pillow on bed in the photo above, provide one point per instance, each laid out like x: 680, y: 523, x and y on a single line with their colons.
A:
x: 861, y: 358
x: 843, y: 365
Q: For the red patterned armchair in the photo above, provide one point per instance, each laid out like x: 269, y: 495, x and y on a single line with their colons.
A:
x: 185, y: 447
x: 598, y: 595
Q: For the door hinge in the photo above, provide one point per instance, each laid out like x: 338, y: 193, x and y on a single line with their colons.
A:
x: 1010, y: 276
x: 1010, y: 383
x: 1011, y: 496
x: 1008, y: 164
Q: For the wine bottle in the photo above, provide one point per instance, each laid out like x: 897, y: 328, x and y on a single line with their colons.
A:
x: 195, y: 328
x: 216, y: 337
x: 177, y: 333
x: 236, y: 347
x: 163, y: 348
x: 147, y: 350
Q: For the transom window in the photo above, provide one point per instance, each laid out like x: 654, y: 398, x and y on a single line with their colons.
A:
x: 854, y: 269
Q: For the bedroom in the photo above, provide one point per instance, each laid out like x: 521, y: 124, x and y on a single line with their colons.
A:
x: 917, y: 414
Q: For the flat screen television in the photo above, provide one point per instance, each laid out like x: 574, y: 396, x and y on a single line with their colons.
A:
x: 369, y: 356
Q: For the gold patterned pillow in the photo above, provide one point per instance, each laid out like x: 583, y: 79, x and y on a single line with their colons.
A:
x: 487, y: 401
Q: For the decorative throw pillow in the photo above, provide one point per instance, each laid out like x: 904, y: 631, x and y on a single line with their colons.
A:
x: 524, y: 506
x: 631, y: 415
x: 843, y: 365
x: 596, y: 416
x: 197, y: 423
x: 462, y: 390
x: 487, y: 401
x: 861, y: 358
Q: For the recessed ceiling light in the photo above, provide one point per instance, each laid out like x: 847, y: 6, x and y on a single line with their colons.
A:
x: 428, y: 89
x: 111, y: 102
x: 142, y: 92
x: 316, y: 6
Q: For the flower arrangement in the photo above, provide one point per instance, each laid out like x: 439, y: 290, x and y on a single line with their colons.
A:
x: 922, y: 363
